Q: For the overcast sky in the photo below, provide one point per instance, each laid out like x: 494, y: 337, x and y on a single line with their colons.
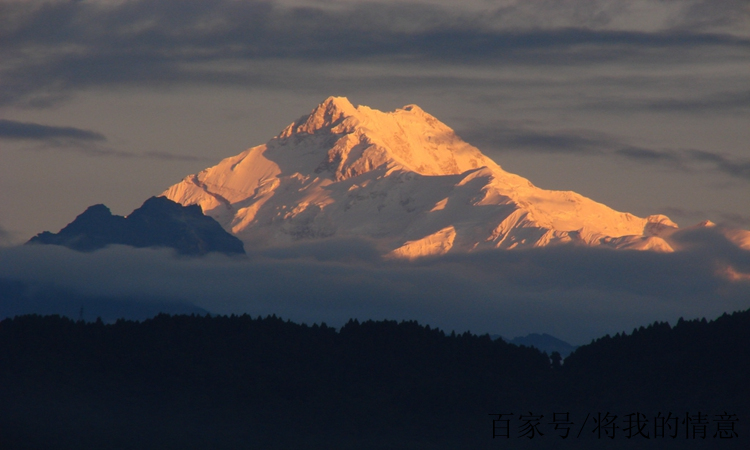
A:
x: 643, y: 105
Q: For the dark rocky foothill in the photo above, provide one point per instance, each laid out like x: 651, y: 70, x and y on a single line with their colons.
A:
x: 159, y: 222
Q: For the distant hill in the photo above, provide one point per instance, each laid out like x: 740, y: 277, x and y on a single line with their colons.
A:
x: 545, y: 343
x: 159, y: 222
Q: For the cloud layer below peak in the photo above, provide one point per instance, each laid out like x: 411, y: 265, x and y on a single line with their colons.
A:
x: 573, y: 293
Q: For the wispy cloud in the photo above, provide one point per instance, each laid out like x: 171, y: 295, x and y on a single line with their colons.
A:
x: 512, y: 136
x: 690, y: 159
x: 11, y: 129
x: 166, y: 156
x: 76, y: 140
x: 104, y: 151
x: 723, y: 102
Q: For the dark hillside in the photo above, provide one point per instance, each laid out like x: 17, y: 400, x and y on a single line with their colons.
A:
x: 227, y: 381
x: 243, y: 382
x: 694, y: 363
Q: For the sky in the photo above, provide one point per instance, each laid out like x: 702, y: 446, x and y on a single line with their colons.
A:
x: 643, y: 105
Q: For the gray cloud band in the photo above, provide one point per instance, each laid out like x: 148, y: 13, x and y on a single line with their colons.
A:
x: 10, y: 129
x: 102, y: 151
x: 71, y: 139
x: 513, y: 137
x: 571, y: 292
x: 51, y: 48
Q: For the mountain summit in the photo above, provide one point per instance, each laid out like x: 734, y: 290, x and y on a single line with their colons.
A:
x: 402, y: 179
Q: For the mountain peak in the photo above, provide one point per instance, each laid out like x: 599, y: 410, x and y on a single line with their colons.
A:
x: 402, y: 179
x: 164, y: 207
x: 412, y: 109
x: 334, y: 102
x: 325, y: 116
x: 360, y: 140
x: 98, y: 210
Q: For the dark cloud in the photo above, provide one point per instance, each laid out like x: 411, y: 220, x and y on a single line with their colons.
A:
x: 733, y: 219
x: 721, y: 101
x: 735, y: 168
x: 71, y: 139
x: 77, y: 140
x: 507, y: 136
x: 707, y: 14
x: 70, y: 142
x: 348, y: 250
x: 88, y: 149
x: 50, y: 48
x: 690, y: 159
x: 11, y: 129
x: 573, y: 293
x: 724, y: 102
x: 649, y: 156
x: 166, y: 156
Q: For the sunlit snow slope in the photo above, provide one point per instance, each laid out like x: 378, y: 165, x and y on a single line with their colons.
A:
x: 405, y: 181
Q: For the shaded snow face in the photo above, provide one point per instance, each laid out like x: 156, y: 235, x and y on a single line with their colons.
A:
x: 573, y: 293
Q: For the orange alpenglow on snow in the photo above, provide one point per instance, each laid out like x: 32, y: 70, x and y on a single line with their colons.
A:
x: 403, y: 180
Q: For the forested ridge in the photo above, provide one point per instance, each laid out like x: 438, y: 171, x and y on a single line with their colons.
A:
x: 244, y: 382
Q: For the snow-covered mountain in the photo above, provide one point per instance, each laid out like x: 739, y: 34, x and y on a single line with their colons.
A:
x: 405, y: 181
